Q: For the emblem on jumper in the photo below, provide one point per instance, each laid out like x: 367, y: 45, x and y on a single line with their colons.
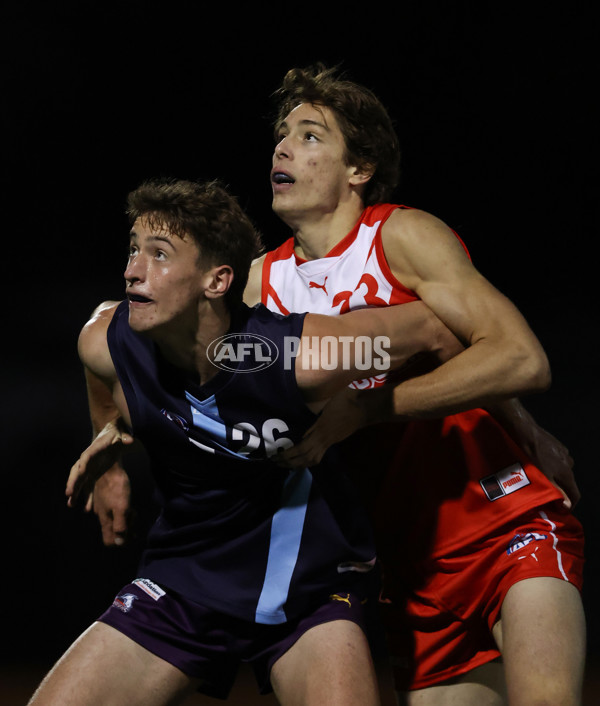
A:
x: 505, y: 482
x: 177, y: 418
x: 124, y: 601
x: 339, y: 597
x: 314, y: 285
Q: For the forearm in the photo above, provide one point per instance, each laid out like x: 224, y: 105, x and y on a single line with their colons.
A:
x: 103, y: 412
x: 516, y: 421
x: 396, y: 334
x: 480, y: 376
x: 102, y: 407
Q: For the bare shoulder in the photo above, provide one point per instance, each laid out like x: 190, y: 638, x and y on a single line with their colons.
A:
x: 92, y: 344
x: 418, y: 245
x: 100, y: 319
x: 411, y: 227
x: 253, y: 291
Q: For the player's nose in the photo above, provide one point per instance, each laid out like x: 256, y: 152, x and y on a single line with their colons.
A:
x: 283, y: 148
x: 136, y: 269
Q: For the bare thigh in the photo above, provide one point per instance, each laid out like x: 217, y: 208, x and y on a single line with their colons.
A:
x: 103, y: 667
x: 482, y: 686
x: 541, y: 635
x: 330, y: 664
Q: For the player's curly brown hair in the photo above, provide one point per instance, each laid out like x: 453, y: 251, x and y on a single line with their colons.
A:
x: 365, y: 124
x: 208, y: 213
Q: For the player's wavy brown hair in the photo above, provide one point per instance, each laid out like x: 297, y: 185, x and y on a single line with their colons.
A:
x: 365, y: 124
x: 208, y: 213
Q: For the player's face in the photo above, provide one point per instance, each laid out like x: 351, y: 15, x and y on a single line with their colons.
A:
x: 310, y: 174
x: 164, y: 279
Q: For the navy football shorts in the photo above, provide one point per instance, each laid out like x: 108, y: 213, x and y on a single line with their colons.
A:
x: 209, y: 645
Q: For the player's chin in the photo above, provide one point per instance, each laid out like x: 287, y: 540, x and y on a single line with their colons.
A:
x: 277, y: 204
x: 285, y: 209
x: 281, y: 198
x: 141, y: 321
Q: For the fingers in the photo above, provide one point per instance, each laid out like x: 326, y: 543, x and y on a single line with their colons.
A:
x: 567, y: 504
x: 112, y: 506
x: 565, y: 480
x: 80, y: 479
x: 74, y: 482
x: 99, y: 456
x: 115, y: 525
x: 114, y: 529
x: 106, y: 528
x: 119, y: 527
x: 303, y: 455
x: 570, y: 493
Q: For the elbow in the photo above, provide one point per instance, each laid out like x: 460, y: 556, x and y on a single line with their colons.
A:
x: 544, y: 374
x: 536, y: 373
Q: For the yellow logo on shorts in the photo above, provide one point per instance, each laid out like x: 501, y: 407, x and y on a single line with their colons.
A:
x: 339, y: 597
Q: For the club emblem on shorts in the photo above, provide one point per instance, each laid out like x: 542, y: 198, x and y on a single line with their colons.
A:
x: 504, y: 482
x: 341, y: 598
x: 522, y: 540
x: 124, y: 602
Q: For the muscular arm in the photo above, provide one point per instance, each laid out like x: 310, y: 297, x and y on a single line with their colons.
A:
x: 92, y: 347
x: 503, y: 357
x: 111, y: 495
x: 401, y: 332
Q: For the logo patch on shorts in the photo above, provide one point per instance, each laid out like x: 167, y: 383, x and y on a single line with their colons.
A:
x: 505, y: 482
x: 341, y: 598
x: 149, y: 587
x: 124, y: 602
x: 522, y: 540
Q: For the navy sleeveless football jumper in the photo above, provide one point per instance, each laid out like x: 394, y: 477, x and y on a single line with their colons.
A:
x: 236, y: 532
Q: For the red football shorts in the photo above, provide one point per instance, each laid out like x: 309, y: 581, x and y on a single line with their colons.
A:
x: 443, y: 628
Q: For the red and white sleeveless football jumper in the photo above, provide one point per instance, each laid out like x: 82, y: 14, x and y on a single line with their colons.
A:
x: 353, y: 275
x: 438, y: 485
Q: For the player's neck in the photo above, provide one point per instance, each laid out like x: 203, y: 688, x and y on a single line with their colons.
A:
x: 185, y: 345
x: 315, y: 237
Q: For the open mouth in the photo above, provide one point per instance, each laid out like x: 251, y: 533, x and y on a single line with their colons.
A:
x: 282, y: 178
x: 138, y: 299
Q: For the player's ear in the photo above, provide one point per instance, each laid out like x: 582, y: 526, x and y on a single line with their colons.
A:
x: 219, y: 280
x: 360, y: 174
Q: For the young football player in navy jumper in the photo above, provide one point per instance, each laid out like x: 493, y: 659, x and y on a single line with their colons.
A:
x: 246, y: 561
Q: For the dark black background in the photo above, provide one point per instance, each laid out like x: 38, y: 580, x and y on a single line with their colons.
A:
x: 494, y: 104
